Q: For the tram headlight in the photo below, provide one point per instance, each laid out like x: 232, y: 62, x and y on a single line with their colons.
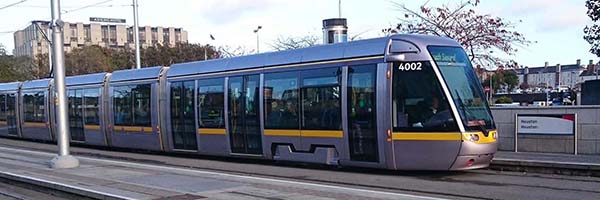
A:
x: 495, y: 134
x: 473, y: 137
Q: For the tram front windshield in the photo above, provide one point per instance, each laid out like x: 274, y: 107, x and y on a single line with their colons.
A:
x: 464, y: 86
x: 418, y: 103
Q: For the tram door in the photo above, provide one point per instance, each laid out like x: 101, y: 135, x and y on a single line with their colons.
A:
x: 182, y: 116
x: 11, y: 113
x: 362, y: 130
x: 76, y: 115
x: 244, y: 124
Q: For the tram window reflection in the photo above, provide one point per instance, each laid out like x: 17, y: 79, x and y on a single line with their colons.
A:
x: 141, y: 104
x: 321, y: 100
x: 418, y: 101
x: 91, y: 98
x: 122, y: 105
x: 281, y: 100
x: 132, y: 105
x: 3, y: 107
x: 211, y: 105
x: 34, y: 107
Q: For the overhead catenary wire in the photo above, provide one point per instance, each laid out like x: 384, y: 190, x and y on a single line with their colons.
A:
x: 75, y: 7
x: 12, y: 4
x: 86, y: 6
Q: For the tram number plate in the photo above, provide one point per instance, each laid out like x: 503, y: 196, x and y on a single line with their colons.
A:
x: 410, y: 66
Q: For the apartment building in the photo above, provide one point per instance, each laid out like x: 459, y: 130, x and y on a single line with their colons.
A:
x: 33, y: 40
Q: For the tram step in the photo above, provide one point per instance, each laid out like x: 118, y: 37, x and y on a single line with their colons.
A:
x: 321, y: 155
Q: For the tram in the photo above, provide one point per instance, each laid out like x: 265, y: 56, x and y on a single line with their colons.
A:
x: 401, y: 102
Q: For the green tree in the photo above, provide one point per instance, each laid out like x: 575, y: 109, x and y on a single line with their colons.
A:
x: 501, y: 78
x: 14, y: 68
x: 504, y: 100
x: 87, y: 60
x: 94, y: 59
x: 511, y: 80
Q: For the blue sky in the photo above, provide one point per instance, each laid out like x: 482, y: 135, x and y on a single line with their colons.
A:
x: 555, y: 25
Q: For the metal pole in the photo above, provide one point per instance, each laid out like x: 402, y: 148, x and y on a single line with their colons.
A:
x: 205, y: 56
x: 575, y: 136
x: 63, y: 160
x: 516, y: 134
x: 136, y: 35
x: 340, y: 8
x: 257, y: 41
x: 491, y: 88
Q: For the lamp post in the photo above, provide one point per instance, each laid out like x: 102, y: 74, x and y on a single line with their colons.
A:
x: 257, y: 41
x: 136, y: 35
x: 206, y: 47
x: 63, y: 159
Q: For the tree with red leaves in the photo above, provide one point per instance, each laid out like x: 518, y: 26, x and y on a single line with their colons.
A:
x: 592, y: 33
x: 480, y: 35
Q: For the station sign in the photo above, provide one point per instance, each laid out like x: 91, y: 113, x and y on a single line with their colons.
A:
x: 559, y: 124
x: 107, y: 20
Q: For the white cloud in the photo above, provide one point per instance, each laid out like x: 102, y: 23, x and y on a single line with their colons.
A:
x: 544, y: 15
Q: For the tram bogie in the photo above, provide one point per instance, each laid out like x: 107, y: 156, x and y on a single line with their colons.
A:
x: 407, y: 102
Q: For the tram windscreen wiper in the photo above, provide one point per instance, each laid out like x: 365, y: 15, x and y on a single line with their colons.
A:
x: 479, y: 123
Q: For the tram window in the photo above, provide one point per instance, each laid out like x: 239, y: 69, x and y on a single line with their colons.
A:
x: 281, y: 100
x: 3, y: 107
x: 141, y: 105
x: 418, y: 102
x: 321, y: 100
x: 211, y: 103
x: 132, y: 105
x: 11, y: 105
x: 91, y: 107
x: 122, y: 105
x: 33, y: 104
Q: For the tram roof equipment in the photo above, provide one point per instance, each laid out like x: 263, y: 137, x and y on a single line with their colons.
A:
x: 9, y: 86
x: 86, y: 79
x: 37, y: 84
x: 346, y: 50
x: 136, y: 74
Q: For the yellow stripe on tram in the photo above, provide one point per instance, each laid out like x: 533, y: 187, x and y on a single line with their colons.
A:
x: 145, y: 129
x: 91, y: 127
x: 35, y: 124
x: 211, y: 131
x: 304, y: 133
x: 427, y: 136
x: 275, y: 132
x: 319, y: 133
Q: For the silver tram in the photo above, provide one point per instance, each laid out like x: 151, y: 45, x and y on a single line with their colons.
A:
x: 407, y: 102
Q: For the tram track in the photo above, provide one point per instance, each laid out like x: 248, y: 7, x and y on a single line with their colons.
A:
x: 374, y: 179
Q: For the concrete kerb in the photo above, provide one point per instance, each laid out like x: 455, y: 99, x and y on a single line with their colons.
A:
x: 538, y: 166
x: 61, y: 187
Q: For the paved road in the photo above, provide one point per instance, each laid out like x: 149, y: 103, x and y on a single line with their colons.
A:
x: 479, y: 184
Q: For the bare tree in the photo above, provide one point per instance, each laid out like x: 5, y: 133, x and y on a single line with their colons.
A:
x: 229, y: 51
x: 287, y: 43
x: 480, y: 34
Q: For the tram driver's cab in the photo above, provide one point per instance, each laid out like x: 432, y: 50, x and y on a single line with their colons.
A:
x: 438, y: 107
